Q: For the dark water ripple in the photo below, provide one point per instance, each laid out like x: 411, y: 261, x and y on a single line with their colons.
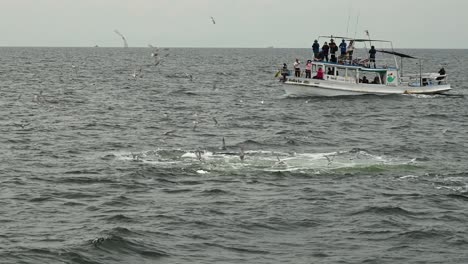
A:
x: 104, y: 168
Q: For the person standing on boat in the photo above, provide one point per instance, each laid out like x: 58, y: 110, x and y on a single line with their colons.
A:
x: 372, y: 53
x: 297, y: 68
x: 315, y: 48
x: 333, y: 50
x: 442, y: 73
x: 343, y: 48
x: 325, y: 50
x: 308, y: 69
x: 350, y: 50
x: 284, y: 72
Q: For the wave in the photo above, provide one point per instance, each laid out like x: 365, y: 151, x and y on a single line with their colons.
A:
x: 120, y: 241
x: 41, y: 199
x: 215, y: 192
x: 119, y: 218
x: 385, y: 210
x: 249, y: 144
x: 83, y: 179
x: 419, y: 235
x: 251, y: 250
x: 458, y: 196
x: 43, y: 255
x: 74, y: 195
x: 176, y: 190
x: 119, y: 201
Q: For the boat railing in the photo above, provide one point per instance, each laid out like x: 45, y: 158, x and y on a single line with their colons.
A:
x: 427, y: 79
x: 383, y: 63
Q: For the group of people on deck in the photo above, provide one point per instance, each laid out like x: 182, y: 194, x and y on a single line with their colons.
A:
x: 322, y: 54
x: 297, y: 70
x: 346, y: 52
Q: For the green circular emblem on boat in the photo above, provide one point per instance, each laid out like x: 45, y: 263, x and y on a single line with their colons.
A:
x: 390, y: 78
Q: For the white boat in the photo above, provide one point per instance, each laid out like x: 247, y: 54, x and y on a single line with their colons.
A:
x: 345, y: 77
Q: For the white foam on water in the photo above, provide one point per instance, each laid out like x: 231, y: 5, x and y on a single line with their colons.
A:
x: 408, y: 177
x: 261, y: 160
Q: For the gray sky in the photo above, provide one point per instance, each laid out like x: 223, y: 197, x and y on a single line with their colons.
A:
x: 239, y: 23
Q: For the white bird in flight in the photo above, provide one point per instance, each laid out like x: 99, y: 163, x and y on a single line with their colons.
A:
x: 212, y: 20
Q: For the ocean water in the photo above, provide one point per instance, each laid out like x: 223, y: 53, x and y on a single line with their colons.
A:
x: 98, y: 166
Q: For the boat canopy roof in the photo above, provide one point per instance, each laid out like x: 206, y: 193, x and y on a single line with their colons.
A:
x: 397, y: 54
x: 356, y: 39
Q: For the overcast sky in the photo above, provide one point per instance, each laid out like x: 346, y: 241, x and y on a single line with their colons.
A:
x: 239, y: 23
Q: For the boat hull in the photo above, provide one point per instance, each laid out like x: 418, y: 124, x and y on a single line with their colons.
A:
x: 301, y: 87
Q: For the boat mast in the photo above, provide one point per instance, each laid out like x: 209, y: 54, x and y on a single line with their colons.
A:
x: 357, y: 22
x: 349, y: 17
x: 395, y: 59
x: 401, y: 65
x: 420, y: 73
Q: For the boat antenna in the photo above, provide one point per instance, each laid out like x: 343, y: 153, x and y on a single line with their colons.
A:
x: 420, y: 73
x: 349, y: 18
x: 357, y: 22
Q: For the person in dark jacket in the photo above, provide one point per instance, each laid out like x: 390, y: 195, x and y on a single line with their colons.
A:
x: 325, y: 49
x: 333, y: 50
x: 284, y: 72
x: 442, y: 73
x: 372, y: 53
x: 315, y: 48
x: 320, y: 56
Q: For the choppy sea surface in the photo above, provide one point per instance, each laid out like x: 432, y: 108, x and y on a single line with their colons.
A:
x: 104, y: 163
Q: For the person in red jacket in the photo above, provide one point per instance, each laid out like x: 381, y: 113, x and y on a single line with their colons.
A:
x: 319, y: 74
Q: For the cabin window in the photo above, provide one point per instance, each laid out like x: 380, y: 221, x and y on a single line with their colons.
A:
x: 373, y: 77
x: 350, y: 75
x: 315, y: 67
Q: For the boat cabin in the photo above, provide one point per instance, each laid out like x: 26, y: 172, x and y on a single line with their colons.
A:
x: 356, y: 73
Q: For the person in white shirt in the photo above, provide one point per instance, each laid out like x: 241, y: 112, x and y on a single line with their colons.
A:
x: 297, y: 68
x: 350, y: 50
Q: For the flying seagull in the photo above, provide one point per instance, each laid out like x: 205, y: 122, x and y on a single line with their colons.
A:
x: 189, y: 76
x: 123, y: 38
x: 212, y: 20
x: 224, y: 145
x: 241, y: 154
x: 280, y: 162
x: 330, y: 160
